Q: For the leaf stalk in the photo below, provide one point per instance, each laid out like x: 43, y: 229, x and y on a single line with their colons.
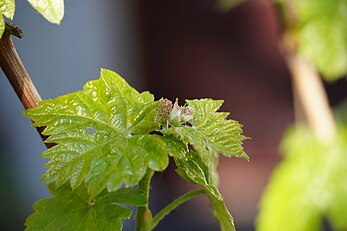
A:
x: 174, y: 204
x: 144, y: 215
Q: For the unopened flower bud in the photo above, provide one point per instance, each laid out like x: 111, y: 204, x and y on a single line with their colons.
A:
x: 175, y: 115
x: 163, y: 111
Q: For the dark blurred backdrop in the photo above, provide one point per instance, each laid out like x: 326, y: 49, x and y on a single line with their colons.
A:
x: 184, y: 49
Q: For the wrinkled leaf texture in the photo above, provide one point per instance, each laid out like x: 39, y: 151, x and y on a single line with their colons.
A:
x: 102, y: 136
x: 76, y: 211
x: 210, y: 133
x: 211, y: 130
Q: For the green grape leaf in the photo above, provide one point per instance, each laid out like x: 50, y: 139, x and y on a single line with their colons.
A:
x: 211, y: 130
x: 75, y: 210
x: 7, y: 8
x: 129, y: 196
x: 193, y: 169
x: 221, y: 213
x: 336, y: 184
x: 102, y: 135
x: 322, y: 34
x: 311, y: 179
x: 52, y: 10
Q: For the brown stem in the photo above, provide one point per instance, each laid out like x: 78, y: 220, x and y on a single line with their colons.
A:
x: 14, y: 69
x: 312, y: 99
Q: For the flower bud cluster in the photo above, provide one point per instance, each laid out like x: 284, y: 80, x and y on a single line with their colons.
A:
x: 173, y: 114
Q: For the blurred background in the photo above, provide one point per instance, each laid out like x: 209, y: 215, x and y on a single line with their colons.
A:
x: 184, y: 49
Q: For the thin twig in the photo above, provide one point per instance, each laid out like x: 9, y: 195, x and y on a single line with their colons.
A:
x: 174, y: 204
x: 15, y: 71
x: 312, y: 98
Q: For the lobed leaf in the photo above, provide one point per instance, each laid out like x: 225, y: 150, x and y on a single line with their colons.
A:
x: 211, y: 130
x: 75, y: 210
x: 102, y: 135
x: 52, y: 10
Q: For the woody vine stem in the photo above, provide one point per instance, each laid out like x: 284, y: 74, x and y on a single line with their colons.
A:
x: 16, y: 73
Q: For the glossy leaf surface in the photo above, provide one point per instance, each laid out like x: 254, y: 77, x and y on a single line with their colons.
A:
x: 102, y: 135
x: 210, y: 133
x: 76, y: 211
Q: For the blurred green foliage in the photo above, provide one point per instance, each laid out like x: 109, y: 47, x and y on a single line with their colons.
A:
x: 310, y: 184
x: 320, y: 27
x: 322, y: 34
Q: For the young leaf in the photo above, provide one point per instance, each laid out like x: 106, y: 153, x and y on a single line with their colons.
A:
x: 102, y: 135
x: 52, y: 10
x: 211, y: 130
x: 221, y: 212
x: 74, y: 210
x: 193, y: 169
